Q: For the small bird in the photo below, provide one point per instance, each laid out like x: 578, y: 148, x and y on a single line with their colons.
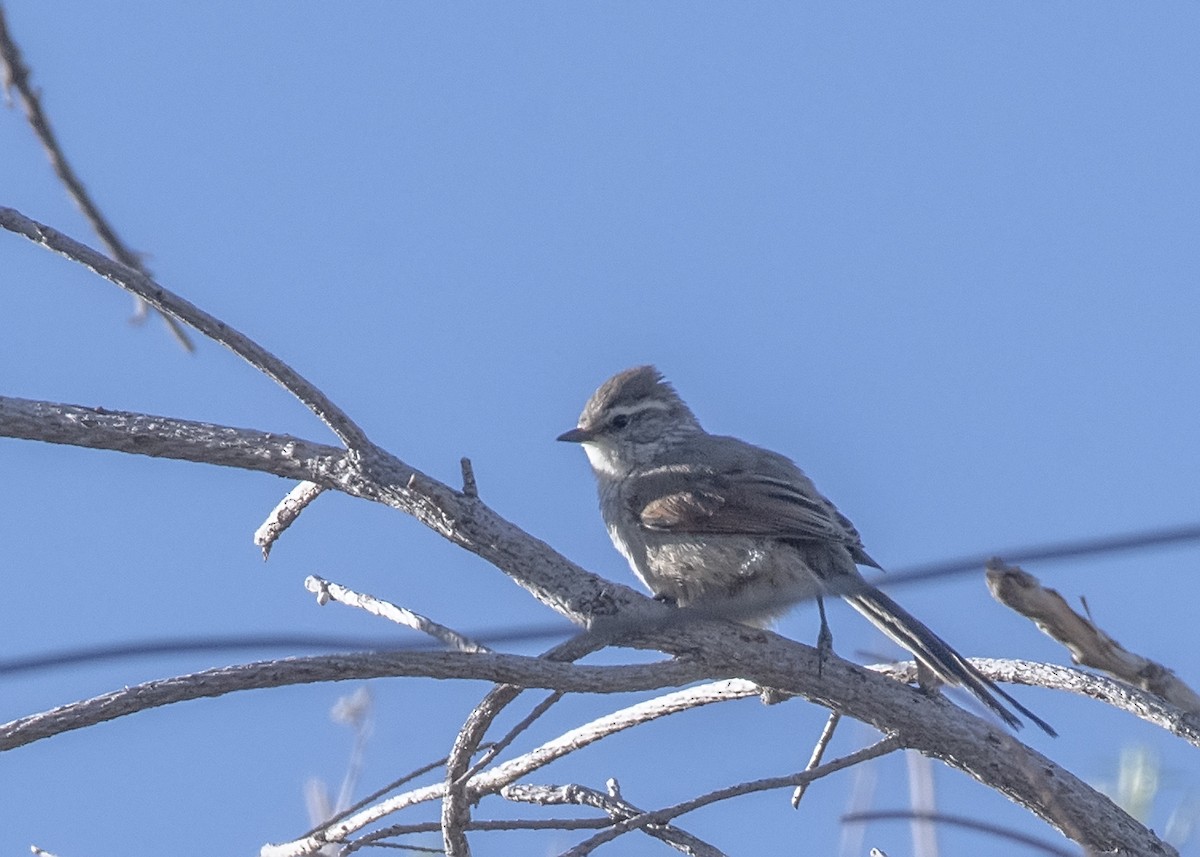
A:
x: 719, y: 524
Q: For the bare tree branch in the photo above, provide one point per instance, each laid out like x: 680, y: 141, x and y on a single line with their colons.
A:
x: 137, y: 283
x: 528, y: 720
x: 1142, y: 704
x: 17, y: 77
x: 1031, y: 779
x: 326, y: 591
x: 817, y: 754
x: 564, y: 586
x: 526, y: 671
x: 918, y: 720
x: 615, y: 808
x: 662, y: 816
x: 376, y: 837
x: 1085, y: 640
x: 551, y: 578
x: 380, y: 477
x: 183, y: 440
x: 456, y: 803
x: 960, y: 741
x: 492, y: 780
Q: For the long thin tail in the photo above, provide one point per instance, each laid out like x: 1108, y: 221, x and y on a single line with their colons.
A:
x: 935, y: 653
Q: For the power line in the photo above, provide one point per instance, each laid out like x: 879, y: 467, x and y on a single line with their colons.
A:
x: 1049, y: 552
x: 290, y: 643
x: 1055, y: 551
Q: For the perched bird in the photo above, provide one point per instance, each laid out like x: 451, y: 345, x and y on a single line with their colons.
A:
x: 716, y: 523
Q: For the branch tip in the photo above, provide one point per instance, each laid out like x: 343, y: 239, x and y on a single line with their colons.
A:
x: 284, y: 515
x: 320, y: 587
x: 470, y: 488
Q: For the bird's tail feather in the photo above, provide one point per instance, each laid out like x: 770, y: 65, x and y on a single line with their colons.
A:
x: 936, y: 654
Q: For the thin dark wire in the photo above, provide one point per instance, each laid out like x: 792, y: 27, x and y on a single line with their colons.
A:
x: 530, y: 633
x: 1048, y: 552
x: 960, y: 821
x: 249, y: 643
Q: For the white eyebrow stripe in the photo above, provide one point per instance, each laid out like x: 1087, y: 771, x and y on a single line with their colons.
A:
x: 637, y: 408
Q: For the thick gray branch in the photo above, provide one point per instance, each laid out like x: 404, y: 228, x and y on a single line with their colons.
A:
x: 164, y: 437
x: 377, y: 475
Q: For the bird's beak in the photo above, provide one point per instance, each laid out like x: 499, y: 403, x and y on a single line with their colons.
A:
x: 575, y: 435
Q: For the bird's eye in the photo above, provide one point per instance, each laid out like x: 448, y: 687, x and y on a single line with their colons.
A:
x: 620, y: 421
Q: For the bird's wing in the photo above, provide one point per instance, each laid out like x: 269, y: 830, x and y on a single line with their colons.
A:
x: 736, y: 502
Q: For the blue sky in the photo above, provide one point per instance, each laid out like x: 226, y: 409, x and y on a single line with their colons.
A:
x: 944, y: 257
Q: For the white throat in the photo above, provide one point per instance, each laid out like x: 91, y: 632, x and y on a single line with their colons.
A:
x: 603, y: 461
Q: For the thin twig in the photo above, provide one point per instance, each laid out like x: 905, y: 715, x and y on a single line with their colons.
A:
x: 615, y: 807
x: 662, y: 816
x: 817, y: 754
x: 491, y: 781
x: 375, y: 836
x: 378, y: 793
x: 327, y: 591
x: 499, y: 746
x: 17, y: 77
